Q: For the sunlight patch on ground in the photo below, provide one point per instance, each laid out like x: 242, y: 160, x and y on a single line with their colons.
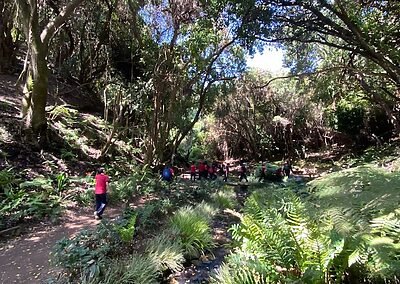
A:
x: 366, y: 190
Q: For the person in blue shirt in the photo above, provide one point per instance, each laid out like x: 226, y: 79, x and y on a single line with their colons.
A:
x: 167, y: 173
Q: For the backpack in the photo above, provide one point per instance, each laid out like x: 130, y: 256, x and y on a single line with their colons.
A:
x: 166, y: 173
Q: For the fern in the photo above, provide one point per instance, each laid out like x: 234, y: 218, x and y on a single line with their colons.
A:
x: 243, y: 268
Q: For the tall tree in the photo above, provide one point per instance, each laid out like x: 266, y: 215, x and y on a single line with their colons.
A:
x: 194, y: 50
x: 8, y: 44
x: 38, y: 35
x: 366, y: 31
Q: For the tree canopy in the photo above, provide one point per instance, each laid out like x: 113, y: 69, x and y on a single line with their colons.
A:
x: 159, y: 67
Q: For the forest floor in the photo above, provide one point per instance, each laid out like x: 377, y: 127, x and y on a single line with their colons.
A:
x: 25, y: 259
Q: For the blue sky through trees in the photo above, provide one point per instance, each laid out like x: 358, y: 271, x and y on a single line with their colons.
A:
x: 270, y: 60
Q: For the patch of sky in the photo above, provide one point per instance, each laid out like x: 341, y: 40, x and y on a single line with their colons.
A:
x: 271, y: 59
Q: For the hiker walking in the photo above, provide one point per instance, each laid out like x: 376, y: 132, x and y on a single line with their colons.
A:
x: 243, y: 173
x: 262, y: 172
x: 287, y: 168
x: 212, y: 172
x: 100, y: 191
x: 202, y: 169
x: 167, y: 173
x: 226, y: 172
x: 193, y: 172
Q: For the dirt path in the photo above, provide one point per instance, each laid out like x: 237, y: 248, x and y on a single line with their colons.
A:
x: 26, y: 258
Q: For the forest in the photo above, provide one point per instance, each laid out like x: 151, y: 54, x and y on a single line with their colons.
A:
x: 198, y: 167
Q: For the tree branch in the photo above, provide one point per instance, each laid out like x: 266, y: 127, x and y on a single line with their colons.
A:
x: 58, y: 21
x: 306, y: 74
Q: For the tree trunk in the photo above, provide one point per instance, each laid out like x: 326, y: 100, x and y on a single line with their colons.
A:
x: 7, y: 55
x: 35, y: 97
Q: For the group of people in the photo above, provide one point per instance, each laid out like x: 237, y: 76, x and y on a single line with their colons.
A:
x: 206, y: 171
x: 275, y: 173
x: 203, y: 170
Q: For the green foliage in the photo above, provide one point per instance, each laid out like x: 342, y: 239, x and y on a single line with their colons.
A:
x: 85, y: 197
x: 62, y: 112
x: 242, y: 268
x: 67, y: 155
x: 350, y: 116
x: 224, y: 198
x: 153, y: 212
x: 8, y: 180
x: 362, y: 204
x: 165, y: 252
x: 135, y: 269
x: 140, y: 182
x: 20, y: 205
x: 348, y: 226
x: 279, y: 235
x: 191, y: 225
x: 87, y: 252
x: 126, y: 231
x: 56, y: 184
x: 140, y: 269
x: 61, y: 181
x: 40, y: 183
x: 28, y: 200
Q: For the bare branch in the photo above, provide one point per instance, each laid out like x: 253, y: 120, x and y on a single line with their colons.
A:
x: 52, y: 27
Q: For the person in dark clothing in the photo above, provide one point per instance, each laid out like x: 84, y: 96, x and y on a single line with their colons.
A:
x: 205, y: 173
x: 243, y: 173
x: 193, y: 172
x: 226, y: 172
x: 287, y: 168
x: 211, y: 173
x: 201, y: 168
x: 262, y: 172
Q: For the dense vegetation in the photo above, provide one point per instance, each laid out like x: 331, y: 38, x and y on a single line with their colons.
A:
x: 158, y: 68
x: 134, y: 85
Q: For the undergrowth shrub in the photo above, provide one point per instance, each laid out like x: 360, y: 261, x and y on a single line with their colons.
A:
x: 275, y: 231
x: 133, y: 270
x: 140, y: 269
x: 165, y: 252
x: 139, y: 183
x: 8, y: 180
x: 126, y: 230
x: 343, y: 230
x: 363, y: 205
x: 88, y: 251
x: 85, y: 198
x: 224, y: 198
x: 191, y: 226
x: 20, y: 205
x: 123, y: 189
x: 243, y: 268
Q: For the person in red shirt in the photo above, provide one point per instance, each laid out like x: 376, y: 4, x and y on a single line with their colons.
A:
x: 100, y: 191
x: 193, y: 172
x: 202, y: 169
